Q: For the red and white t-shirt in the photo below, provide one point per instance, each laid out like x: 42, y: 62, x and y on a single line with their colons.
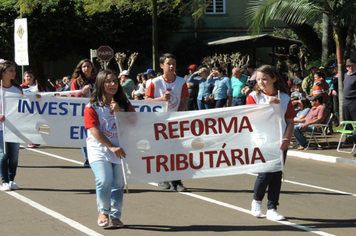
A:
x: 8, y: 91
x: 177, y: 88
x: 286, y: 104
x: 103, y: 117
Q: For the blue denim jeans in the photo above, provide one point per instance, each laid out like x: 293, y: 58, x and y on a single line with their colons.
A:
x: 239, y: 101
x: 202, y: 104
x: 110, y: 184
x: 8, y: 161
x: 299, y: 136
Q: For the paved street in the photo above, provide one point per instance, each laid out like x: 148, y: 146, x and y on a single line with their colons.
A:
x: 57, y: 197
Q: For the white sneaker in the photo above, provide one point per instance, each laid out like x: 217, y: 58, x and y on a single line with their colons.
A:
x: 5, y: 187
x: 256, y: 208
x: 274, y: 215
x: 13, y: 185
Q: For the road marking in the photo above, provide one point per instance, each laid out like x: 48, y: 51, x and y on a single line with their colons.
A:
x: 54, y: 214
x: 314, y: 186
x: 52, y: 155
x: 301, y: 227
x: 227, y: 205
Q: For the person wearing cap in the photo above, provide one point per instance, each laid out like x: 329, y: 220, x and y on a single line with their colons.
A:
x: 150, y: 74
x: 349, y: 105
x: 318, y: 114
x: 193, y: 89
x: 238, y: 81
x: 126, y: 83
x: 308, y: 81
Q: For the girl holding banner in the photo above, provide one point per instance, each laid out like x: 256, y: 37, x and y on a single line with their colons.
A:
x: 83, y: 78
x: 269, y: 83
x: 104, y: 152
x: 9, y: 152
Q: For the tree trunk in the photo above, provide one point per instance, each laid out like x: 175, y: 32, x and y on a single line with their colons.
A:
x: 326, y: 42
x: 310, y: 39
x: 340, y: 42
x: 350, y: 38
x: 155, y: 36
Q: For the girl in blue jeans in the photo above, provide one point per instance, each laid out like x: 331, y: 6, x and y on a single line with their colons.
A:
x: 104, y: 151
x: 269, y: 82
x: 8, y: 161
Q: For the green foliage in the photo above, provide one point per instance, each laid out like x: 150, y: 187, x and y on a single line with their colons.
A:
x: 285, y: 33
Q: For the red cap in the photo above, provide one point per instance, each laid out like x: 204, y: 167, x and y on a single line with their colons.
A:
x: 192, y: 67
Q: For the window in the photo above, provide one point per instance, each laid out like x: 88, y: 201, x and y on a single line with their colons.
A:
x: 215, y: 7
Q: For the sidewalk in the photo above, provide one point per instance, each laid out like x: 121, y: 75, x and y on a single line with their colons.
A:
x: 326, y: 154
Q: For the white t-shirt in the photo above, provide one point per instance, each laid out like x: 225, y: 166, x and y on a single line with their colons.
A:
x: 178, y: 89
x: 8, y: 91
x: 286, y: 104
x: 104, y: 118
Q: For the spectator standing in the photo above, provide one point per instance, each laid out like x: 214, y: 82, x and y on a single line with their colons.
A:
x: 238, y: 82
x: 222, y: 87
x: 8, y: 160
x: 127, y: 83
x: 193, y: 89
x: 66, y: 80
x: 349, y: 105
x: 269, y: 82
x: 83, y: 78
x: 247, y: 69
x: 205, y: 89
x: 104, y: 150
x: 172, y: 88
x: 333, y: 86
x: 151, y: 74
x: 297, y: 79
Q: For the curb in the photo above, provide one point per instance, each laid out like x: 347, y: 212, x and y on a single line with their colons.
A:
x: 318, y: 157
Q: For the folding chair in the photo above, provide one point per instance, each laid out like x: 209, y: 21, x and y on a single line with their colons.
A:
x: 324, y: 128
x: 346, y: 133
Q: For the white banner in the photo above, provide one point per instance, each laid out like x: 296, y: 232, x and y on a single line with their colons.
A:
x: 196, y: 144
x: 21, y: 44
x: 54, y: 119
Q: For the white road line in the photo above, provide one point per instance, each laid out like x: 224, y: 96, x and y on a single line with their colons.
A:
x: 54, y: 214
x: 227, y: 205
x: 317, y: 187
x: 52, y: 155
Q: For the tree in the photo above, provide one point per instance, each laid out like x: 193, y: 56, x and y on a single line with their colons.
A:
x: 154, y: 6
x: 60, y: 28
x: 298, y: 12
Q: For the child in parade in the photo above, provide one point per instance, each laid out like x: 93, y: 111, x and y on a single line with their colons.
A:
x: 30, y: 86
x: 8, y: 161
x: 83, y: 78
x: 104, y: 151
x: 269, y: 82
x: 172, y: 88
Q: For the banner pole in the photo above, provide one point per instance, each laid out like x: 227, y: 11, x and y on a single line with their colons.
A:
x: 2, y: 112
x: 122, y: 160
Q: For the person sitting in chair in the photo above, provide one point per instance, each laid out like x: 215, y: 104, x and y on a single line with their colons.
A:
x: 318, y: 114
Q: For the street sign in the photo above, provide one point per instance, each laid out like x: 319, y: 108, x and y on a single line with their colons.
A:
x: 105, y: 53
x: 20, y: 40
